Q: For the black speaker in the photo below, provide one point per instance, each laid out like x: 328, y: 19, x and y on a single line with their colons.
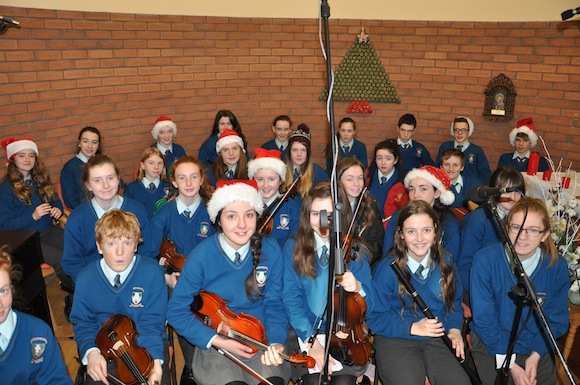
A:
x: 31, y: 290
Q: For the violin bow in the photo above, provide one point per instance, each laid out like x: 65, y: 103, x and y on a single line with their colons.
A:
x: 242, y: 365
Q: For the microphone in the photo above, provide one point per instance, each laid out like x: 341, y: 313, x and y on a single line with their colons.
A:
x: 479, y: 194
x: 570, y: 13
x: 484, y: 192
x: 12, y: 21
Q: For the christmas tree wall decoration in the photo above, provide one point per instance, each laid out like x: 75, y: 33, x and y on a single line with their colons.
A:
x: 361, y: 78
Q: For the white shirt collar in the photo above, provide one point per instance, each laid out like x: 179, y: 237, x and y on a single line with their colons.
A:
x: 278, y: 143
x: 458, y: 181
x: 414, y: 265
x: 319, y: 243
x: 531, y: 263
x: 517, y: 155
x: 230, y: 251
x: 349, y: 144
x: 82, y: 157
x: 7, y: 328
x: 272, y: 199
x: 181, y: 207
x: 99, y: 210
x: 146, y: 182
x: 111, y: 274
x: 388, y: 176
x: 163, y: 149
x: 465, y: 145
x: 400, y: 142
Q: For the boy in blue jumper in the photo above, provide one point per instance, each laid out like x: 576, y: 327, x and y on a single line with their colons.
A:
x: 282, y: 128
x: 164, y: 131
x: 126, y: 284
x: 348, y: 145
x: 29, y: 353
x: 475, y: 162
x: 413, y: 153
x: 522, y: 138
x: 452, y: 162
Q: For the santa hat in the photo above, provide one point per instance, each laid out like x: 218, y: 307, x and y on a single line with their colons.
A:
x: 524, y: 126
x: 229, y: 191
x: 267, y: 159
x: 15, y: 145
x: 163, y: 121
x: 469, y: 124
x: 302, y: 135
x: 228, y: 137
x: 438, y: 178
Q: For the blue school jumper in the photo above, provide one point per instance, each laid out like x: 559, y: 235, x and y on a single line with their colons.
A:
x: 80, y: 248
x: 32, y: 355
x: 170, y: 158
x: 142, y: 297
x: 358, y: 150
x: 138, y: 192
x: 493, y: 309
x: 450, y: 226
x: 507, y: 160
x: 476, y: 164
x: 461, y: 196
x: 271, y: 145
x: 379, y: 191
x: 185, y: 233
x: 16, y: 215
x: 73, y: 189
x: 415, y: 156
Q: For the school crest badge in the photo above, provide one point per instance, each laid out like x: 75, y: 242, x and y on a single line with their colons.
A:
x: 203, y: 229
x: 471, y: 158
x: 284, y: 221
x: 418, y: 152
x: 37, y: 347
x: 261, y: 275
x: 137, y: 297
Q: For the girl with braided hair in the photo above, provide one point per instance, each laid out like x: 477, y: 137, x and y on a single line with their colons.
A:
x: 243, y: 268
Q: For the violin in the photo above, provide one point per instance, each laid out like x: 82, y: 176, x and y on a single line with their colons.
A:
x: 116, y: 340
x: 266, y: 221
x: 173, y: 260
x: 349, y: 338
x: 212, y: 310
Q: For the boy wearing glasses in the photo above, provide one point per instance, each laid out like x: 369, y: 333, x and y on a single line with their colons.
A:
x: 413, y: 153
x: 476, y: 164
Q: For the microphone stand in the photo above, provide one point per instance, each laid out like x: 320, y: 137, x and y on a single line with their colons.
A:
x: 523, y: 293
x: 336, y: 264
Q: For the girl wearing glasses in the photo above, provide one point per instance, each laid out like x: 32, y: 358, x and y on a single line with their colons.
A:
x: 493, y: 308
x: 476, y: 164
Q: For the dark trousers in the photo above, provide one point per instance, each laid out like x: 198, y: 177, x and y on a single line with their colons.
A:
x: 486, y: 364
x: 409, y: 362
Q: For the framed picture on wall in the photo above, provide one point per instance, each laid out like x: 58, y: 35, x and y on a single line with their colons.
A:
x: 500, y: 99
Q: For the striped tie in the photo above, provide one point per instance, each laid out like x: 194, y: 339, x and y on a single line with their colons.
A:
x: 117, y: 281
x: 324, y: 256
x: 151, y: 186
x: 419, y: 272
x: 238, y: 259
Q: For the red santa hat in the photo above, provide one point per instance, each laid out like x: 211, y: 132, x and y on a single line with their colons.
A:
x: 228, y: 191
x: 228, y: 137
x: 438, y: 178
x: 469, y: 124
x: 15, y: 145
x: 524, y: 126
x: 267, y: 159
x: 163, y: 121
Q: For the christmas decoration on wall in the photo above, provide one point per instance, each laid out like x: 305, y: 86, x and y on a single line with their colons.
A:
x: 361, y: 78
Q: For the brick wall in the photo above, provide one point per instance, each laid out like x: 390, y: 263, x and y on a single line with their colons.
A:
x: 64, y: 70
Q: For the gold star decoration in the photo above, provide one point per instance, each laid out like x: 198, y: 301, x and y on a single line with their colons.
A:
x: 363, y: 37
